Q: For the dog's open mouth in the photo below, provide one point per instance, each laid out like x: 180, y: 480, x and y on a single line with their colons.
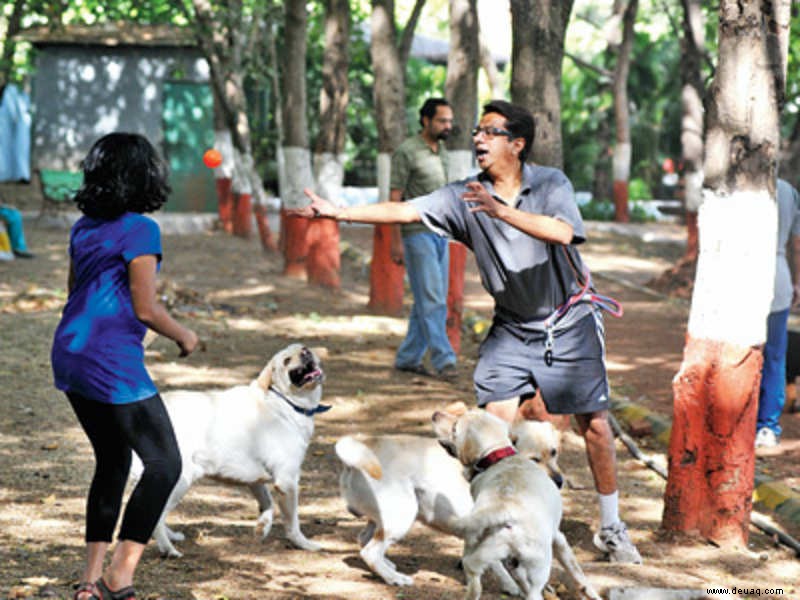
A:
x: 308, y: 371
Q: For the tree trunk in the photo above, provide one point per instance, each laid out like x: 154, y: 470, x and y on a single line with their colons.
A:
x: 692, y: 95
x: 8, y: 44
x: 294, y: 238
x: 537, y: 51
x: 622, y: 148
x: 489, y: 66
x: 711, y: 458
x: 224, y: 53
x: 461, y: 89
x: 323, y: 257
x: 389, y: 58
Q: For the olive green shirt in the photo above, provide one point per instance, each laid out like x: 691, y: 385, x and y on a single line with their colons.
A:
x: 417, y: 170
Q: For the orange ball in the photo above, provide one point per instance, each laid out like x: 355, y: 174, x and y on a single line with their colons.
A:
x: 212, y: 158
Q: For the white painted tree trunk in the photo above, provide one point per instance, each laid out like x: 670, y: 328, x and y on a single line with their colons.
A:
x: 735, y: 269
x: 383, y: 165
x: 622, y: 161
x: 298, y: 176
x: 329, y: 175
x: 224, y: 144
x: 459, y: 164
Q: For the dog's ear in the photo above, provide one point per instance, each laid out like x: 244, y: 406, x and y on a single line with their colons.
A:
x: 321, y: 352
x: 456, y: 408
x: 449, y: 447
x: 443, y: 424
x: 264, y: 378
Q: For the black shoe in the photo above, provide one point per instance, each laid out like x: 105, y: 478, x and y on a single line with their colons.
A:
x: 448, y: 373
x: 23, y: 254
x: 415, y: 369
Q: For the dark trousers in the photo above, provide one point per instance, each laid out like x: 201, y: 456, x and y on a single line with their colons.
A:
x: 114, y: 431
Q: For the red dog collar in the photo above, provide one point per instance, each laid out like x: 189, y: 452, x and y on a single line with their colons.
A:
x: 492, y: 458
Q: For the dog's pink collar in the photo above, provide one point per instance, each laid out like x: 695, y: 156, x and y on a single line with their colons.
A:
x: 492, y: 458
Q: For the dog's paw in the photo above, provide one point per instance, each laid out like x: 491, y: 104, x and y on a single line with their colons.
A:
x: 265, y: 523
x: 170, y: 552
x: 174, y: 536
x: 305, y: 544
x: 398, y: 579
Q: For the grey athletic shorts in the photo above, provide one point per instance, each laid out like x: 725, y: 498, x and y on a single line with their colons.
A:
x: 511, y: 362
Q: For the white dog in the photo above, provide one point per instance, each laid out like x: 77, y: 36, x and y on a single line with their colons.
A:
x: 249, y: 434
x: 395, y: 480
x: 517, y: 510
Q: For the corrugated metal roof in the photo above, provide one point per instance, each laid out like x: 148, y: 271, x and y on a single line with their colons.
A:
x: 110, y: 34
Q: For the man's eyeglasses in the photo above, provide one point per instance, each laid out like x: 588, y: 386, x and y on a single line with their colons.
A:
x: 491, y: 132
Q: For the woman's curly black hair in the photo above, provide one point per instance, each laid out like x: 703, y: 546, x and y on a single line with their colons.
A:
x: 122, y: 173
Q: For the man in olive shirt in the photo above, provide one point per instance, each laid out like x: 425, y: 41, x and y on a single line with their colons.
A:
x: 419, y: 166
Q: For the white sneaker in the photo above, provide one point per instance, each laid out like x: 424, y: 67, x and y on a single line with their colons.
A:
x: 615, y: 542
x: 766, y: 438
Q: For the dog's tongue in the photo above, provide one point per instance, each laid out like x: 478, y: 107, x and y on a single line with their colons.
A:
x: 313, y: 374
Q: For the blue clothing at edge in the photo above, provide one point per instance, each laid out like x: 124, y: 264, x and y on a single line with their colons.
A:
x: 772, y: 392
x: 427, y: 260
x: 97, y: 349
x: 16, y: 231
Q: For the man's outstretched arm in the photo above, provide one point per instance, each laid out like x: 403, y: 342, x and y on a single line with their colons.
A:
x: 383, y: 212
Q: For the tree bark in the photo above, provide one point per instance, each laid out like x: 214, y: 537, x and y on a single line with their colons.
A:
x: 692, y: 97
x: 711, y: 459
x: 294, y: 237
x: 222, y: 41
x: 537, y: 51
x: 323, y: 258
x: 622, y: 148
x: 461, y: 89
x: 7, y: 52
x: 389, y: 58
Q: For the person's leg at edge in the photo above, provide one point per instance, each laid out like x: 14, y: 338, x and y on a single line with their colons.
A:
x: 773, y: 373
x: 148, y: 429
x: 414, y: 346
x: 112, y: 461
x: 505, y: 409
x: 16, y: 231
x: 424, y: 255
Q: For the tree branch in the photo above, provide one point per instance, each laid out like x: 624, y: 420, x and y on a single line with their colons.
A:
x: 407, y: 37
x: 603, y: 73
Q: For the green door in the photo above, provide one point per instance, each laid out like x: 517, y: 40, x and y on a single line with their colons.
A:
x: 188, y: 132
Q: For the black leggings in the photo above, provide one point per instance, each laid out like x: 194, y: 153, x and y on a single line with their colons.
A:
x: 114, y: 430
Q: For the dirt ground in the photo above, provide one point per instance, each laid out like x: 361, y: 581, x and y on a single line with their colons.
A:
x: 234, y: 296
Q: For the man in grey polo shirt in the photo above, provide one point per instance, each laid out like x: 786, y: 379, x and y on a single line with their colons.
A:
x: 522, y: 223
x: 419, y: 166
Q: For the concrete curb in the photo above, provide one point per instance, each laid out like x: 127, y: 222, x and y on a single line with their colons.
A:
x: 768, y: 495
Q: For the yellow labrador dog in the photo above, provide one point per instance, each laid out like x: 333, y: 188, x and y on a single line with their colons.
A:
x: 517, y: 510
x: 394, y: 480
x: 249, y: 434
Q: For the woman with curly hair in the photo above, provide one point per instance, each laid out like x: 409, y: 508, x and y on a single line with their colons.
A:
x: 98, y: 357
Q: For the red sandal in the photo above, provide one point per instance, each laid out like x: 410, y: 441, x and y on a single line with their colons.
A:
x: 86, y: 587
x: 103, y: 592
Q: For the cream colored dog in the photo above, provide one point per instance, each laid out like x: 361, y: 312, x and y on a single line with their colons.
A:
x: 517, y: 510
x: 395, y: 480
x: 249, y: 434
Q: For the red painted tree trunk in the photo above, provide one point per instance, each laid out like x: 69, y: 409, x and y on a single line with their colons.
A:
x: 242, y: 215
x: 385, y: 276
x: 324, y: 260
x: 224, y: 187
x: 711, y: 458
x: 455, y: 294
x: 621, y: 202
x: 294, y: 245
x: 264, y: 233
x: 692, y: 237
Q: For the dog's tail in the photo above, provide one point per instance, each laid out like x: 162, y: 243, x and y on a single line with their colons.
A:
x: 354, y: 453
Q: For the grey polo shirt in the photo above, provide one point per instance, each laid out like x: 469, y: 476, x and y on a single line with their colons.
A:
x: 788, y: 227
x: 417, y: 170
x: 527, y: 278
